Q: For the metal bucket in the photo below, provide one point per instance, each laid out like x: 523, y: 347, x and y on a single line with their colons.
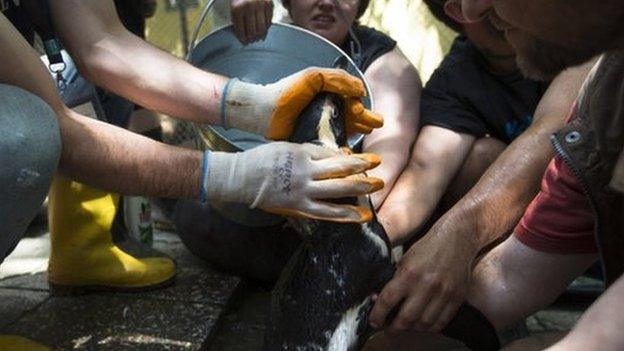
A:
x: 287, y: 49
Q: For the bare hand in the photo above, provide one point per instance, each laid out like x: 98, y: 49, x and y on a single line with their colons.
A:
x: 431, y: 282
x: 251, y: 19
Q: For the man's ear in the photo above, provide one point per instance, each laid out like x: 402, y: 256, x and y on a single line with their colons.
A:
x: 453, y: 9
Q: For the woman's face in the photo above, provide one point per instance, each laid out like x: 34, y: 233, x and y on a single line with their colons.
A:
x: 323, y: 17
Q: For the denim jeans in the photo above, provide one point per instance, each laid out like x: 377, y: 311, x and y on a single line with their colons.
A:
x: 30, y: 147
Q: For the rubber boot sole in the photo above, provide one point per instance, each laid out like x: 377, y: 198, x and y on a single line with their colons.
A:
x: 73, y: 290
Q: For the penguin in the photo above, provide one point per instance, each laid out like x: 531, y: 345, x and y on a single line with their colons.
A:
x: 322, y: 298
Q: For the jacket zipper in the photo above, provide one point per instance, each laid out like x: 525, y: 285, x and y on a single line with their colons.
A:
x: 561, y: 152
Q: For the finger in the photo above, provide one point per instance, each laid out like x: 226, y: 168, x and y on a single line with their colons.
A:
x: 340, y: 166
x: 268, y: 15
x: 341, y: 213
x: 239, y: 26
x: 449, y: 311
x: 250, y: 25
x: 326, y: 212
x: 343, y: 187
x: 354, y: 128
x: 429, y: 316
x: 389, y: 297
x: 261, y: 22
x: 411, y: 310
x: 357, y: 113
x: 335, y: 80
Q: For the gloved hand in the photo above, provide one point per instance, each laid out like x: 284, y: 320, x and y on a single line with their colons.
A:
x: 291, y: 179
x: 272, y: 110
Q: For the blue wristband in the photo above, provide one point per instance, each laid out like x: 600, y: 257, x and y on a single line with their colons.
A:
x: 203, y: 189
x: 226, y: 91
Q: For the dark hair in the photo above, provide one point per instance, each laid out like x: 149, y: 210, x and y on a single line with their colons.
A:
x: 437, y: 9
x: 361, y: 8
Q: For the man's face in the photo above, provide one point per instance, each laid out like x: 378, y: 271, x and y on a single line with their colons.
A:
x: 490, y: 41
x: 550, y: 35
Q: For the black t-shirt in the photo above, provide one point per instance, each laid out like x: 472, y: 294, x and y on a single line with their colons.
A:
x: 129, y: 12
x: 464, y: 96
x: 23, y: 18
x: 19, y: 17
x: 374, y: 44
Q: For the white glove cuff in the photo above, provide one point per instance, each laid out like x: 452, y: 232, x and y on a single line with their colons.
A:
x: 247, y: 106
x: 218, y: 182
x: 233, y: 177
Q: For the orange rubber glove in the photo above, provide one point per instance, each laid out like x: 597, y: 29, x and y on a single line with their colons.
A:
x: 291, y: 179
x: 272, y: 110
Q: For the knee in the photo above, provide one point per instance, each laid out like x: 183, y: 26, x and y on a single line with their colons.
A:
x: 483, y: 153
x: 30, y: 139
x: 486, y: 150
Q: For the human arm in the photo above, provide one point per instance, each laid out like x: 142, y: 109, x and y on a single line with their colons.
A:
x: 113, y: 58
x: 601, y: 326
x: 499, y: 199
x: 442, y: 259
x: 510, y: 282
x: 94, y: 152
x: 514, y: 280
x: 436, y: 156
x: 114, y: 159
x: 396, y: 86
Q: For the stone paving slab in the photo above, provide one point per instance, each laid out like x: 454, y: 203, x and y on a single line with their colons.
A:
x: 36, y: 282
x: 180, y: 317
x: 110, y: 322
x: 243, y: 326
x: 14, y: 303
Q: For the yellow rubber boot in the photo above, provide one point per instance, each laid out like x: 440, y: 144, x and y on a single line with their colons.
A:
x: 18, y: 343
x: 83, y: 256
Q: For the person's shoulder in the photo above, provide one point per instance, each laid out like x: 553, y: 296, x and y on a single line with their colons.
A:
x: 458, y: 64
x: 460, y: 53
x: 370, y: 34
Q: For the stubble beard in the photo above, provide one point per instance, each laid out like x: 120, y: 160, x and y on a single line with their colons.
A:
x: 541, y: 60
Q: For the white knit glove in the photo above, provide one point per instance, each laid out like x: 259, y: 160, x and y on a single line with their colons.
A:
x: 291, y: 179
x: 272, y: 110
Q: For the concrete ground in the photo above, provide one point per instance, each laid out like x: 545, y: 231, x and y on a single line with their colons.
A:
x: 204, y: 310
x: 181, y: 317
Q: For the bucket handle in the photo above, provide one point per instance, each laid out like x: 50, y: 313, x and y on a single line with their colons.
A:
x: 355, y: 47
x: 198, y: 26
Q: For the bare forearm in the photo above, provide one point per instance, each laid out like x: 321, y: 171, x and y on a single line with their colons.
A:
x: 513, y: 280
x: 499, y: 199
x: 411, y: 202
x: 114, y: 159
x: 94, y: 152
x: 601, y: 326
x: 115, y: 59
x: 496, y: 203
x: 394, y: 150
x: 397, y: 99
x: 436, y: 157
